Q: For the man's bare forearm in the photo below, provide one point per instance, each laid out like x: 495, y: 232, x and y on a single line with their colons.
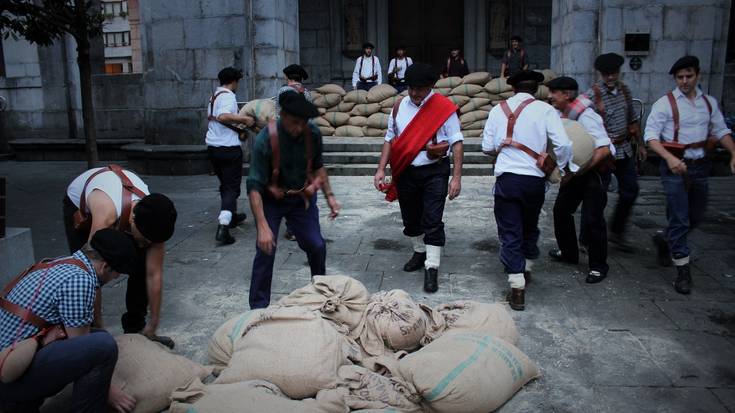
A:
x: 384, y: 156
x: 458, y: 155
x: 256, y: 206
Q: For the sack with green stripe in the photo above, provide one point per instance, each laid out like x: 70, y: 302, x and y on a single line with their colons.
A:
x: 223, y: 340
x: 467, y: 90
x: 467, y: 372
x: 262, y: 110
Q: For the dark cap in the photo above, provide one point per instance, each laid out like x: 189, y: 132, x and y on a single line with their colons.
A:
x: 609, y: 62
x: 368, y: 45
x: 526, y: 76
x: 517, y: 38
x: 421, y: 75
x: 295, y: 70
x: 685, y: 62
x: 296, y: 104
x: 155, y: 217
x: 116, y: 248
x: 401, y: 47
x: 562, y: 83
x: 229, y: 75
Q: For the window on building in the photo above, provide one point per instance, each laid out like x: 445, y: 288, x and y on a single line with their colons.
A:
x: 117, y: 39
x: 115, y: 8
x: 2, y: 60
x: 113, y: 68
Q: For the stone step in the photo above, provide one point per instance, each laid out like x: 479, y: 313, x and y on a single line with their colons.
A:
x: 368, y: 169
x: 337, y: 144
x: 374, y: 157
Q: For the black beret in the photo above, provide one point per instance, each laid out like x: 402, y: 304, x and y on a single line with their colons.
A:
x: 401, y: 47
x: 609, y: 62
x: 685, y: 62
x: 563, y: 83
x: 229, y: 75
x: 296, y: 104
x: 155, y: 217
x: 526, y: 75
x: 296, y: 70
x: 116, y: 248
x: 368, y: 45
x: 517, y: 38
x: 421, y: 75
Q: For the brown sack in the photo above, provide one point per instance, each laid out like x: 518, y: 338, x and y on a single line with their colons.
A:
x: 370, y: 390
x: 262, y: 110
x: 459, y: 100
x: 444, y: 91
x: 479, y: 125
x: 327, y: 101
x: 337, y: 119
x: 357, y: 121
x: 374, y: 133
x: 365, y: 109
x: 474, y: 116
x: 347, y: 131
x: 326, y: 130
x: 222, y: 343
x: 448, y: 82
x: 387, y: 111
x: 379, y: 93
x: 342, y: 107
x: 484, y: 318
x: 393, y: 321
x: 331, y: 88
x: 548, y: 75
x: 378, y: 121
x: 321, y: 111
x: 498, y: 86
x: 389, y: 102
x: 321, y: 121
x: 583, y: 144
x: 472, y: 133
x: 474, y: 104
x: 542, y: 93
x: 506, y: 95
x: 467, y: 90
x: 356, y: 96
x: 476, y: 78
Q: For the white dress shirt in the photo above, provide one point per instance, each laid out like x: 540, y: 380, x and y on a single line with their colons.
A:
x: 367, y: 70
x: 449, y: 131
x: 593, y: 124
x: 107, y: 182
x: 403, y: 64
x: 538, y: 122
x: 217, y: 133
x: 695, y: 122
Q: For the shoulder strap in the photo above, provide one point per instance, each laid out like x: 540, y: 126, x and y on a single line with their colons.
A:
x: 709, y: 105
x: 211, y: 105
x: 449, y: 61
x: 127, y: 196
x: 372, y: 71
x: 523, y: 58
x: 275, y: 151
x: 674, y: 114
x: 599, y: 104
x: 628, y: 101
x: 83, y: 196
x: 362, y: 60
x: 512, y: 118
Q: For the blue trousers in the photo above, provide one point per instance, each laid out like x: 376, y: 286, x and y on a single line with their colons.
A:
x: 304, y: 224
x: 87, y: 361
x: 518, y: 202
x: 365, y: 85
x: 686, y: 202
x: 627, y: 193
x: 422, y: 193
x: 400, y: 87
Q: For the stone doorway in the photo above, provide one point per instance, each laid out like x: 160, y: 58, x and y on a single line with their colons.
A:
x: 428, y: 29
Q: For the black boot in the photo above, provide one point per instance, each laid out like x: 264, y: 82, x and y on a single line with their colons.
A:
x: 416, y: 262
x: 431, y: 281
x: 516, y: 299
x: 663, y: 254
x: 223, y: 235
x: 238, y: 219
x: 683, y: 283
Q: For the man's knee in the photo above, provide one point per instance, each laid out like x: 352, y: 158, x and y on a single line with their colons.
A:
x: 101, y: 346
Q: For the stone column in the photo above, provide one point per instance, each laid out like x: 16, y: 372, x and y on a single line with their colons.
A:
x: 377, y: 31
x: 475, y: 34
x: 275, y: 43
x: 574, y: 31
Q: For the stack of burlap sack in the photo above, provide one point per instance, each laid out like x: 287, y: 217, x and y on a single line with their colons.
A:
x: 332, y: 347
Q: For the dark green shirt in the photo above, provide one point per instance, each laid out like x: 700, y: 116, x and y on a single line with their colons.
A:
x: 293, y: 159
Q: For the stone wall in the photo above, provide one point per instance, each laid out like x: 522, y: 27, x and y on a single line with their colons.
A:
x: 119, y: 106
x: 316, y: 38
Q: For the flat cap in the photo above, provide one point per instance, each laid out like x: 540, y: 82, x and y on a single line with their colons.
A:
x: 296, y: 70
x: 685, y: 62
x: 517, y: 38
x: 155, y: 217
x: 368, y: 45
x: 116, y: 248
x: 525, y: 75
x: 609, y: 62
x: 563, y: 83
x: 296, y: 104
x: 421, y: 75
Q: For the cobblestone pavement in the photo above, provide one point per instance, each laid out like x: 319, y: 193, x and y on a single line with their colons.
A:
x: 630, y: 343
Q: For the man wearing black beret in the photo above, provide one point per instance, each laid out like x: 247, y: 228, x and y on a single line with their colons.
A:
x: 114, y: 197
x: 614, y: 103
x: 514, y: 59
x: 456, y: 65
x: 286, y: 172
x: 679, y: 128
x: 367, y: 71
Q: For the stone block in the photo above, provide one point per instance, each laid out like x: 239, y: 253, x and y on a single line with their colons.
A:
x: 15, y: 70
x: 323, y: 37
x: 174, y: 126
x: 269, y: 62
x: 194, y: 94
x: 217, y: 8
x: 30, y: 99
x: 16, y: 252
x: 208, y: 62
x: 666, y: 52
x: 215, y: 32
x: 33, y: 69
x: 177, y: 65
x: 264, y: 9
x: 307, y: 38
x: 167, y: 34
x: 612, y: 24
x: 174, y: 10
x: 268, y: 32
x: 645, y: 19
x: 702, y: 26
x: 314, y: 20
x: 703, y: 50
x: 580, y: 25
x: 676, y: 23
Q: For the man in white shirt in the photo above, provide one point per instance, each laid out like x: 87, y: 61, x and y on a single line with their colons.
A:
x: 397, y: 69
x: 588, y: 186
x: 423, y: 131
x: 520, y: 183
x: 225, y: 153
x: 677, y: 129
x: 367, y: 71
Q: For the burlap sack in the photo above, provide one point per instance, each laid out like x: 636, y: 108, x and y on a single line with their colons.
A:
x: 583, y: 144
x: 496, y: 102
x: 466, y: 90
x: 262, y: 110
x: 356, y: 96
x: 390, y: 102
x: 477, y: 78
x: 374, y: 133
x: 487, y: 108
x: 321, y: 121
x: 379, y: 93
x: 548, y: 75
x: 491, y: 319
x: 472, y: 117
x: 378, y: 121
x: 314, y: 94
x: 348, y: 131
x: 149, y: 372
x: 339, y: 298
x: 326, y: 130
x: 449, y: 82
x: 366, y: 109
x: 357, y: 121
x: 327, y: 101
x: 292, y: 347
x: 484, y: 94
x: 404, y: 93
x: 222, y: 342
x: 542, y: 93
x: 444, y: 91
x: 342, y: 107
x: 386, y: 110
x: 498, y: 86
x: 254, y: 396
x: 331, y: 88
x: 336, y: 119
x: 393, y: 321
x: 479, y: 125
x: 370, y: 390
x: 506, y: 95
x: 459, y: 100
x: 321, y: 111
x: 471, y: 133
x: 467, y: 372
x: 493, y: 97
x: 473, y: 104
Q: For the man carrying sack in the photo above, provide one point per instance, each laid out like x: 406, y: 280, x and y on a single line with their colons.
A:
x: 588, y: 186
x: 286, y: 171
x: 423, y: 131
x: 678, y: 129
x: 53, y: 301
x: 517, y: 131
x: 112, y: 197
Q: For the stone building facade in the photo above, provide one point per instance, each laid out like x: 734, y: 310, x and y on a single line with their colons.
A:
x: 184, y: 43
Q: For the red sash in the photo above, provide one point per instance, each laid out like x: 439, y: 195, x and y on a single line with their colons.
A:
x: 404, y: 149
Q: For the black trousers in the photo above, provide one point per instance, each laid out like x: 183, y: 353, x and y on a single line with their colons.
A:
x: 422, y: 192
x: 227, y: 164
x: 136, y: 295
x: 628, y: 192
x: 590, y: 190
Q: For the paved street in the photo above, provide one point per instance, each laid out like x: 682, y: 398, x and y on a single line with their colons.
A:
x: 628, y: 344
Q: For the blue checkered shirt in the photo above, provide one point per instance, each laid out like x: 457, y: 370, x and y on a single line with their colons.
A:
x: 66, y: 297
x: 616, y: 118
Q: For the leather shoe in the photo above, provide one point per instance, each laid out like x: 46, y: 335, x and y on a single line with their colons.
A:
x: 593, y: 277
x: 223, y: 235
x: 431, y: 281
x: 516, y: 299
x: 556, y: 255
x: 416, y: 262
x: 663, y: 254
x: 683, y: 283
x: 238, y: 219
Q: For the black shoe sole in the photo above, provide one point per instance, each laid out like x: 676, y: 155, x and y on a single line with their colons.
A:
x: 560, y: 258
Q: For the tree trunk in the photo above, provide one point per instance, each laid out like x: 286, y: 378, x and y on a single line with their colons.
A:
x: 71, y: 116
x: 85, y: 84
